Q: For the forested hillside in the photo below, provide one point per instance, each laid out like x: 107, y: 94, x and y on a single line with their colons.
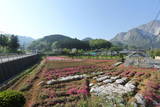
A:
x: 51, y: 42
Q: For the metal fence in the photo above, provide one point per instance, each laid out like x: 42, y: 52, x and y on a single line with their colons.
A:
x: 13, y: 56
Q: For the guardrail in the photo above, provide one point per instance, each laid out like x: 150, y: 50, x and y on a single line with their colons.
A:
x: 12, y: 56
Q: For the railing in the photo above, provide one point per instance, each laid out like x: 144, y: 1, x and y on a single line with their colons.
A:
x: 13, y: 56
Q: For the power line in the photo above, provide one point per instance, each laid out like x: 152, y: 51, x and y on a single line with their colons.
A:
x: 157, y: 15
x: 153, y: 22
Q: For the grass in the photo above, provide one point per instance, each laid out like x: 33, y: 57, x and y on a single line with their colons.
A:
x: 18, y: 77
x: 32, y: 77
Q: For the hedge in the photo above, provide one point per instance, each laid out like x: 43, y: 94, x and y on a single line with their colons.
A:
x: 11, y: 98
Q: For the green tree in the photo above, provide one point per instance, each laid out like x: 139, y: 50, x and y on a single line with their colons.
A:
x: 72, y: 43
x: 3, y: 43
x: 153, y: 53
x: 66, y: 51
x: 99, y: 43
x: 3, y: 40
x: 115, y: 48
x: 13, y: 43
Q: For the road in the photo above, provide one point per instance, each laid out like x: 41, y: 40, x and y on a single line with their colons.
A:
x: 6, y: 58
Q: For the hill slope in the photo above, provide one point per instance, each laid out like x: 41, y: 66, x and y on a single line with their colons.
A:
x: 87, y: 39
x: 56, y: 41
x: 46, y: 42
x: 26, y: 41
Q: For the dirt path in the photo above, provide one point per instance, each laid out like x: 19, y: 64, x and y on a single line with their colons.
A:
x: 22, y: 80
x: 32, y: 93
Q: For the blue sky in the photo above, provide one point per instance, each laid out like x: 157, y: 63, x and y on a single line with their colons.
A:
x: 75, y: 18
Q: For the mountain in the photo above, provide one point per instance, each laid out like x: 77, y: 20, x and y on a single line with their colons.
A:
x: 25, y: 41
x: 53, y: 38
x: 152, y: 27
x: 144, y: 36
x: 46, y: 42
x: 87, y: 39
x: 50, y: 42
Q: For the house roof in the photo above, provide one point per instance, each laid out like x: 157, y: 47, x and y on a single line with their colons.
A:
x: 137, y: 54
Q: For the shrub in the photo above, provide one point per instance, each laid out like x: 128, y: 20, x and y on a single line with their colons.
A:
x: 11, y: 98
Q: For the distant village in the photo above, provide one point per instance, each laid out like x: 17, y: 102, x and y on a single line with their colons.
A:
x: 137, y: 58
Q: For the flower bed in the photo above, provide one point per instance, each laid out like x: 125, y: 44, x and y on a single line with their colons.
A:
x: 51, y: 58
x: 57, y: 73
x: 63, y: 93
x: 151, y: 92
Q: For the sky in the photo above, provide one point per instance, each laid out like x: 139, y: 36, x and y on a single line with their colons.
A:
x: 75, y: 18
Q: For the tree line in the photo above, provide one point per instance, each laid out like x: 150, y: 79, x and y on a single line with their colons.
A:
x: 46, y: 45
x: 78, y: 44
x: 8, y: 43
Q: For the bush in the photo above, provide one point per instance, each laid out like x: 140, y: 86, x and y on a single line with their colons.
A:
x: 11, y: 98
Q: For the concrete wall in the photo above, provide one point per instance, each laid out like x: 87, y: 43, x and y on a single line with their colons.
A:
x: 11, y: 68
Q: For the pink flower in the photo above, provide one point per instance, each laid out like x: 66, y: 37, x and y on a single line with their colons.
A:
x: 56, y: 73
x: 148, y: 98
x: 72, y: 91
x: 82, y: 91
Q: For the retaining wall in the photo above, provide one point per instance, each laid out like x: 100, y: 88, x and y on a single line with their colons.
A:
x: 11, y: 68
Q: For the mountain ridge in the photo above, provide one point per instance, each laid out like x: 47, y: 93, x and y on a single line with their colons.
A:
x: 143, y: 36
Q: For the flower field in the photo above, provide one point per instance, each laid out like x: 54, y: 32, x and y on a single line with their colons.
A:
x: 68, y: 93
x: 67, y: 82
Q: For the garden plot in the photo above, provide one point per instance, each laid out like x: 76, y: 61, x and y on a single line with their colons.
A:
x: 66, y: 85
x: 62, y: 94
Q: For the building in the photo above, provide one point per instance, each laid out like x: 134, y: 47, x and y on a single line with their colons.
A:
x: 157, y: 57
x: 141, y: 59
